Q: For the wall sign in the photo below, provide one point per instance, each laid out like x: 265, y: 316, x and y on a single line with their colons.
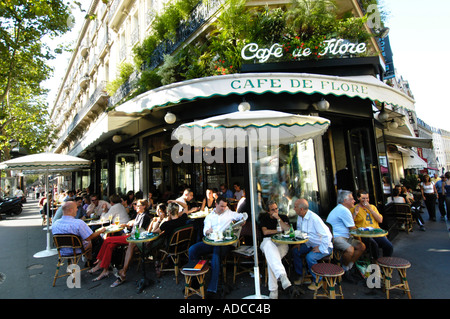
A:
x: 252, y: 51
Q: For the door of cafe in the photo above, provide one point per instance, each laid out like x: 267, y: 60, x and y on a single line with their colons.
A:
x: 364, y: 162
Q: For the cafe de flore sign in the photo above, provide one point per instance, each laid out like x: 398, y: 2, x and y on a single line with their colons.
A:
x: 332, y: 47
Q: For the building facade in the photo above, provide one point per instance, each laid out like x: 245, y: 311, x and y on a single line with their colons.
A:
x: 129, y: 139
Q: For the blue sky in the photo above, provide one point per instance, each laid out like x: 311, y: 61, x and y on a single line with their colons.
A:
x: 420, y: 41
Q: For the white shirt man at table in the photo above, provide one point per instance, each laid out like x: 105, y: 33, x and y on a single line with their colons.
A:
x: 341, y: 219
x: 217, y: 221
x: 183, y: 201
x: 319, y: 243
x: 117, y: 210
x: 97, y: 206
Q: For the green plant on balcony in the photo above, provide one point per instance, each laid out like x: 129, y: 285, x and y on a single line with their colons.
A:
x: 302, y: 23
x: 125, y: 69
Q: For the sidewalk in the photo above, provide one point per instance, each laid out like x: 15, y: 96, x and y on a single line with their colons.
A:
x: 24, y: 277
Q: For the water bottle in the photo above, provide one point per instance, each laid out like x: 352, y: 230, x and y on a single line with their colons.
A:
x: 278, y: 226
x: 291, y: 232
x: 136, y: 233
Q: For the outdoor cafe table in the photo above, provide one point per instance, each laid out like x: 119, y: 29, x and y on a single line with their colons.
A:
x: 283, y: 239
x: 224, y: 242
x: 112, y: 229
x: 141, y: 243
x: 198, y: 215
x: 373, y: 233
x: 369, y: 233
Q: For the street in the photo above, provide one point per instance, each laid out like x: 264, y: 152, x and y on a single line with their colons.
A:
x: 24, y: 277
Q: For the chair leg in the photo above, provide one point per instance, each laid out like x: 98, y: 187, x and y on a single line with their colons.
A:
x: 402, y: 273
x: 175, y: 266
x: 387, y: 275
x: 331, y: 283
x: 56, y: 273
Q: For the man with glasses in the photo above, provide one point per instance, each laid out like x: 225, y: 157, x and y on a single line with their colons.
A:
x: 274, y: 252
x: 341, y: 219
x: 97, y: 206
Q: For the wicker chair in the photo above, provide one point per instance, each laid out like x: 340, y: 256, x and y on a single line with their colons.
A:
x: 74, y: 243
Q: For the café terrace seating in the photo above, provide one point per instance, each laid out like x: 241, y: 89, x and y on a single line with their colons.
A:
x: 74, y: 243
x: 178, y: 246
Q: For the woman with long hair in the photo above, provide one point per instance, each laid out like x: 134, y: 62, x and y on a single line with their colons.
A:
x: 429, y: 194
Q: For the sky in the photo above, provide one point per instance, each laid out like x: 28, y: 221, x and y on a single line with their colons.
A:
x: 420, y: 41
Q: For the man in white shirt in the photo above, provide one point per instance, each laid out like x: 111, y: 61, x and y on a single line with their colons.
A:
x: 183, y: 201
x: 319, y: 243
x: 97, y: 206
x: 117, y: 210
x: 217, y: 221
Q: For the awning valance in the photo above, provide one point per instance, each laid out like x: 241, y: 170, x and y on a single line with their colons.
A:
x: 411, y: 159
x: 364, y: 87
x: 408, y: 141
x: 104, y: 127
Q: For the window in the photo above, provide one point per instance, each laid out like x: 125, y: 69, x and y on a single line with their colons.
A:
x: 127, y: 173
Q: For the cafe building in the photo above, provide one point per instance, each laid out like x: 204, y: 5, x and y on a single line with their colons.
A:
x: 131, y: 146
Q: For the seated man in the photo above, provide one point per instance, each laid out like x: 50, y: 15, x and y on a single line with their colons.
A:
x: 68, y: 224
x: 274, y: 252
x: 217, y: 221
x: 97, y: 206
x: 341, y: 219
x: 319, y: 244
x: 367, y: 215
x: 183, y: 201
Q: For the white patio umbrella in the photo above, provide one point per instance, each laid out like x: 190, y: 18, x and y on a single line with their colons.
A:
x: 250, y: 128
x: 45, y: 163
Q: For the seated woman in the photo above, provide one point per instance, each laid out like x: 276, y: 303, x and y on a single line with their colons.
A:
x: 408, y: 196
x: 154, y: 225
x: 209, y: 201
x: 396, y: 198
x: 162, y: 223
x: 104, y: 256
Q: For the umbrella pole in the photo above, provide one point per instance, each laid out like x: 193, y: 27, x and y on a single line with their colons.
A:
x: 253, y: 203
x: 48, y: 251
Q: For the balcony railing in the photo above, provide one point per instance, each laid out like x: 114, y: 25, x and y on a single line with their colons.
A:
x: 93, y: 99
x: 200, y: 14
x: 124, y: 89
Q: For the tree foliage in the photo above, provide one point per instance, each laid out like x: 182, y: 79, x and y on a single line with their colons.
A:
x: 24, y: 24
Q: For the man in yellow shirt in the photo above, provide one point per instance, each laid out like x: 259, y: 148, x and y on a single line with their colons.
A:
x: 367, y: 215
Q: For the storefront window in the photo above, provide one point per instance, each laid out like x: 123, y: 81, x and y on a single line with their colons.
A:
x: 104, y: 178
x: 127, y: 173
x: 287, y: 173
x: 82, y: 179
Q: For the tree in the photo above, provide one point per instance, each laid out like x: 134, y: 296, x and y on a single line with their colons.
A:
x: 23, y: 67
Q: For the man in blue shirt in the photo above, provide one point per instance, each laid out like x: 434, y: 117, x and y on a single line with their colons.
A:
x: 341, y: 219
x: 68, y: 224
x: 227, y: 193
